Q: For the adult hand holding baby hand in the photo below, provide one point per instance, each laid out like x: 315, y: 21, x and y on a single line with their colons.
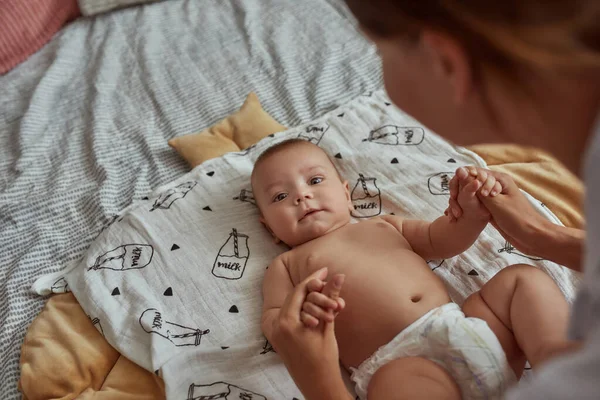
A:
x: 467, y: 184
x: 310, y: 354
x: 323, y: 302
x: 512, y: 214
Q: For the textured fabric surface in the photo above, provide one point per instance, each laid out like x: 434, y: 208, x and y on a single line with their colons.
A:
x: 26, y: 25
x: 92, y: 7
x: 84, y: 122
x: 174, y: 282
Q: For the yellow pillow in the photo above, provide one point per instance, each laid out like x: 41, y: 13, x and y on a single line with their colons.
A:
x: 236, y: 132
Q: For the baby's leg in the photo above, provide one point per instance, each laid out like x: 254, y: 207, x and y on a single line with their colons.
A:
x: 412, y: 378
x: 527, y: 312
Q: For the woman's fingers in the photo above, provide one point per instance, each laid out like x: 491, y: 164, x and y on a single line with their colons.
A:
x: 320, y: 300
x: 293, y: 303
x: 488, y: 185
x: 308, y: 320
x: 482, y: 175
x: 315, y: 285
x: 472, y: 188
x: 317, y: 312
x: 334, y: 286
x: 462, y: 172
x: 507, y: 183
x: 496, y: 190
x: 341, y: 304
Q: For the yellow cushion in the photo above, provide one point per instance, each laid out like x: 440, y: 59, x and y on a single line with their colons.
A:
x: 236, y: 132
x: 64, y: 356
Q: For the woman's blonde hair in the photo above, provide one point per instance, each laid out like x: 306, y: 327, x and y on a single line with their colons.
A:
x: 552, y: 35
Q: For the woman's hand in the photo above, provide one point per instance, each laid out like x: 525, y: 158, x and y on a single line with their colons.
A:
x: 512, y: 214
x: 310, y: 354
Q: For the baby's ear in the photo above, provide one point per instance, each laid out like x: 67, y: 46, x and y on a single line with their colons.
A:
x: 348, y: 198
x: 264, y: 222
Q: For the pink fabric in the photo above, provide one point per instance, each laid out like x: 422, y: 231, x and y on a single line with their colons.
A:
x: 27, y: 25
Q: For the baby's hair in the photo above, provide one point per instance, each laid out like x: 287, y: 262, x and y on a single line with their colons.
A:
x: 277, y: 148
x: 286, y: 144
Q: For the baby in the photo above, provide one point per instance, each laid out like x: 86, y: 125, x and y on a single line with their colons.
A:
x: 394, y: 305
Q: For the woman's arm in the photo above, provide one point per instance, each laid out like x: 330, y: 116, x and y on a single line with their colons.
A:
x: 560, y: 244
x: 310, y: 354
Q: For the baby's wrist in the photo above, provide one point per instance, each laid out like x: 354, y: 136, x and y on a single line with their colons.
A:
x: 475, y: 216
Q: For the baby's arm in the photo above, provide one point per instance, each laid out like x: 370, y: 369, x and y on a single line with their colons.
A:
x: 277, y: 284
x: 447, y: 237
x: 442, y: 238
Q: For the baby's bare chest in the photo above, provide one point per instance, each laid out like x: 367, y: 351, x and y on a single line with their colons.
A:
x: 354, y: 247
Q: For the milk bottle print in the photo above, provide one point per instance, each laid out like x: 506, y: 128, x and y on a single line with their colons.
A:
x: 167, y: 198
x: 393, y: 135
x: 366, y: 198
x: 96, y: 323
x: 510, y: 249
x: 221, y: 390
x: 439, y: 184
x: 232, y: 258
x: 247, y: 196
x: 314, y: 133
x: 152, y: 321
x: 125, y: 257
x: 60, y: 286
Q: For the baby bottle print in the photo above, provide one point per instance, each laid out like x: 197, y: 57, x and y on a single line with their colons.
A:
x: 60, y: 286
x: 221, y: 390
x: 166, y: 199
x: 393, y: 135
x: 247, y: 196
x: 366, y: 198
x: 439, y: 184
x: 314, y: 133
x: 96, y: 323
x: 267, y: 348
x: 125, y: 257
x: 245, y: 151
x: 152, y: 321
x: 510, y: 249
x: 232, y: 258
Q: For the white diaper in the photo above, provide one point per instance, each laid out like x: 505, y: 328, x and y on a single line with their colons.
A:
x: 466, y: 347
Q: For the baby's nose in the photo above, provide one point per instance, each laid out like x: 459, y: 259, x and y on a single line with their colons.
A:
x: 303, y: 195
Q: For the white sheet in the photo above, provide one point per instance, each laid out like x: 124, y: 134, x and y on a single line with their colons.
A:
x: 175, y: 280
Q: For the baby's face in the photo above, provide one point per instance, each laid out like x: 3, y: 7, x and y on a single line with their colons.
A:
x: 300, y: 194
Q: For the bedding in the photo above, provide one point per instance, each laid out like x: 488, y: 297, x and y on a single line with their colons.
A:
x: 43, y: 341
x: 175, y: 280
x: 27, y: 25
x: 84, y: 122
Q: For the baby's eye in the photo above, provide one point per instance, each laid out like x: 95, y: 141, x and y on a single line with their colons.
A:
x: 316, y: 180
x: 280, y: 197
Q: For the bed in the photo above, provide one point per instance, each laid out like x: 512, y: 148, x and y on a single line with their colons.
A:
x: 85, y: 122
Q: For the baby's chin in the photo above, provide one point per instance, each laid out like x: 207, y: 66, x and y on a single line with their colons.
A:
x: 315, y: 231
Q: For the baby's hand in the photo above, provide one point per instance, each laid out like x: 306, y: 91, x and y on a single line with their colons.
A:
x: 322, y: 302
x: 467, y: 183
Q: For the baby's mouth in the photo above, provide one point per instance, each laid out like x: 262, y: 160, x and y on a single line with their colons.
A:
x: 310, y: 212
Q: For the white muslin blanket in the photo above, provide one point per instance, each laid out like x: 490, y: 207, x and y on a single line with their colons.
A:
x: 174, y: 282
